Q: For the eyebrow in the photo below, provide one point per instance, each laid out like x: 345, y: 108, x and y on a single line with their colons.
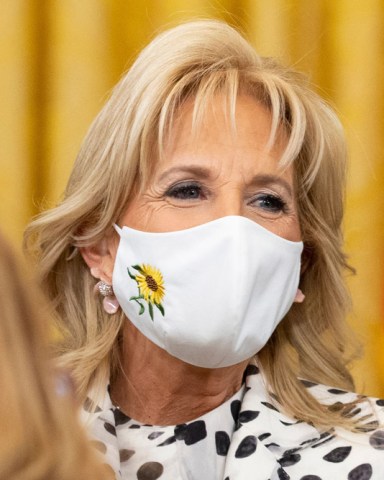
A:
x: 259, y: 180
x: 197, y: 171
x: 269, y: 179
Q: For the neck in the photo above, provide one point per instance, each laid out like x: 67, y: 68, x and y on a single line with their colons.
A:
x: 156, y: 388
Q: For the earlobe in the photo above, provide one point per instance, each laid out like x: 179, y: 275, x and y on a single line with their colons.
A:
x: 100, y: 259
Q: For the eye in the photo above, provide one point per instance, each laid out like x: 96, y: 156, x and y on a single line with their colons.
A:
x: 269, y: 203
x: 185, y: 191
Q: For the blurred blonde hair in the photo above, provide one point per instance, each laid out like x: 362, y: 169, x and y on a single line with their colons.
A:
x: 40, y: 438
x: 199, y: 60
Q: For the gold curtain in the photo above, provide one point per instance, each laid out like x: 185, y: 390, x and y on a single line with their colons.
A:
x: 60, y: 59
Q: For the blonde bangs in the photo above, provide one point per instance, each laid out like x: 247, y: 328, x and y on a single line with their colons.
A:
x: 289, y: 115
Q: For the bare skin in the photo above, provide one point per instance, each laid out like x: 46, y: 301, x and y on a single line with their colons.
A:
x: 158, y: 389
x: 198, y: 180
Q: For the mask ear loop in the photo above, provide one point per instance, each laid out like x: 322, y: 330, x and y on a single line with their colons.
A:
x: 118, y: 229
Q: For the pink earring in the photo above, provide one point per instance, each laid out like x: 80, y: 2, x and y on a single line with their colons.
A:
x: 110, y: 302
x: 299, y: 298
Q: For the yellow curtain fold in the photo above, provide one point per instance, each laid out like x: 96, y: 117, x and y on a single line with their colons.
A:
x: 60, y: 59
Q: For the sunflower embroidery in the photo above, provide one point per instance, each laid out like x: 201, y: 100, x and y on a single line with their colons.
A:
x: 151, y: 288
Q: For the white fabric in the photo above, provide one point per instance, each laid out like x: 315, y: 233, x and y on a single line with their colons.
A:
x: 246, y: 438
x: 223, y: 277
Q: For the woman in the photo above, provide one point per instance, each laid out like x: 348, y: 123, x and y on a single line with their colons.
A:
x: 207, y: 197
x: 40, y: 438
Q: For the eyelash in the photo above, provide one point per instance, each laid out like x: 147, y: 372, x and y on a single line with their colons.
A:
x: 180, y: 191
x: 275, y: 202
x: 193, y: 191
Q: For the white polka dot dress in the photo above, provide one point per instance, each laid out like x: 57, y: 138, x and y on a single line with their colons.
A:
x: 246, y: 438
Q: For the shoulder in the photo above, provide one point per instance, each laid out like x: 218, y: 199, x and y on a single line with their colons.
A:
x: 363, y: 451
x: 306, y: 452
x: 367, y: 410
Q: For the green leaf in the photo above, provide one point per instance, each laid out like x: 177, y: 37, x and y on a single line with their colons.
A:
x: 138, y: 268
x: 142, y: 309
x: 130, y: 274
x: 136, y: 298
x: 150, y: 308
x: 160, y: 307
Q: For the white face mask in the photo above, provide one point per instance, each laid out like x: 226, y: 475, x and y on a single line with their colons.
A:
x: 211, y: 295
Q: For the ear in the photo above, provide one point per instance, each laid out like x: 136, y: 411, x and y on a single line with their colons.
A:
x: 100, y: 258
x: 306, y: 258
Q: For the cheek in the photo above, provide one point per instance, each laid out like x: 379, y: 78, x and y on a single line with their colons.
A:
x: 287, y: 227
x: 293, y: 231
x: 148, y: 215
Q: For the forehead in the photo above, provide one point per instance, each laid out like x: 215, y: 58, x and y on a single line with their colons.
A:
x: 218, y: 132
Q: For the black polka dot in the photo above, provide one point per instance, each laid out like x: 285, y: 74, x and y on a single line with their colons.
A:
x: 180, y: 431
x: 120, y: 417
x: 288, y: 424
x: 269, y: 405
x: 351, y: 412
x: 337, y: 455
x: 222, y: 443
x: 370, y: 426
x: 283, y: 475
x: 263, y: 436
x: 247, y: 416
x: 336, y: 407
x: 150, y: 471
x: 310, y: 477
x: 308, y: 384
x: 133, y: 426
x: 376, y: 440
x: 196, y: 432
x: 168, y: 441
x: 272, y: 444
x: 154, y: 435
x: 291, y: 451
x: 247, y: 447
x: 251, y: 370
x: 324, y: 437
x: 100, y: 446
x: 89, y: 406
x: 362, y: 472
x: 191, y: 433
x: 380, y: 402
x: 235, y: 409
x: 289, y: 460
x: 275, y: 397
x: 110, y: 428
x: 336, y: 391
x: 311, y: 440
x: 125, y: 454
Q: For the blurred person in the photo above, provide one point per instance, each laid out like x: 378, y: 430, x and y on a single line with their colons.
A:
x: 197, y: 269
x: 40, y: 436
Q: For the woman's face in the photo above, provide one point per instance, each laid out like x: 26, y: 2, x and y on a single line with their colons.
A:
x: 218, y: 173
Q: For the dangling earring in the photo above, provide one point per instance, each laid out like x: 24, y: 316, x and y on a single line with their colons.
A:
x: 110, y: 302
x: 299, y: 298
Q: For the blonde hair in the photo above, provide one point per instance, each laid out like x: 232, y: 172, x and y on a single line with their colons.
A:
x: 199, y: 60
x: 40, y: 438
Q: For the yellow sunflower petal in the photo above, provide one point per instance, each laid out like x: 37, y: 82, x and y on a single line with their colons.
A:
x: 151, y: 284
